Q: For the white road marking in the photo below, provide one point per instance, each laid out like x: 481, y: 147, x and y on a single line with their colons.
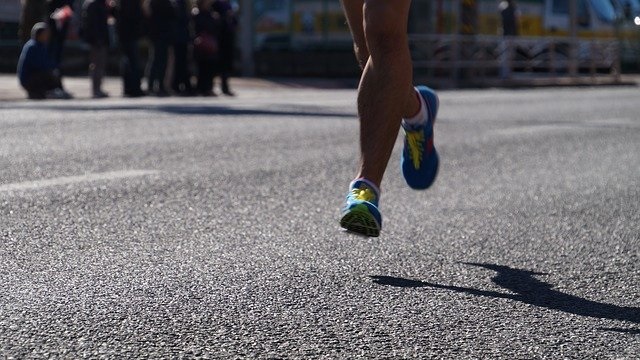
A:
x: 596, y: 124
x: 66, y: 180
x: 534, y: 129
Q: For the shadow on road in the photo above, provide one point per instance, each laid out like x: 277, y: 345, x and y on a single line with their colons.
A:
x: 622, y: 330
x: 531, y: 291
x: 306, y: 111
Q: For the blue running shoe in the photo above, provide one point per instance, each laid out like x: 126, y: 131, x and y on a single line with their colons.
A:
x: 360, y: 213
x: 419, y: 157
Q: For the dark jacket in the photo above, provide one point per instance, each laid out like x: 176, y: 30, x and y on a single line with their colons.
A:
x: 183, y: 21
x: 162, y: 20
x: 52, y: 5
x: 129, y: 16
x: 95, y: 29
x: 228, y: 22
x: 205, y: 23
x: 33, y: 11
x: 508, y: 14
x: 33, y: 58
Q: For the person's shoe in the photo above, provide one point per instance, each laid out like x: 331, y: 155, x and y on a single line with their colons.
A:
x: 162, y: 93
x: 360, y: 213
x: 66, y: 95
x: 134, y: 94
x: 99, y: 94
x: 58, y: 93
x: 37, y: 96
x: 419, y: 157
x: 208, y: 93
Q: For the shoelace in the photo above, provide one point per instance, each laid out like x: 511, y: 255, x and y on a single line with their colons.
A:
x: 415, y: 139
x: 363, y: 194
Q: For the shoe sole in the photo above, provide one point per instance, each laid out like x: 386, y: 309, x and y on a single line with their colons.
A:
x: 359, y: 220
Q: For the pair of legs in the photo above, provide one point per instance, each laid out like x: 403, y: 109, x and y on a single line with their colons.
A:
x: 158, y: 66
x: 40, y: 83
x: 386, y: 101
x: 386, y: 93
x: 57, y: 40
x: 131, y: 73
x: 98, y: 57
x: 206, y: 71
x: 226, y: 64
x: 224, y: 83
x: 181, y: 82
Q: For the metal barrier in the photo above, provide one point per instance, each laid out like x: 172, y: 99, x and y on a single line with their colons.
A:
x: 496, y: 60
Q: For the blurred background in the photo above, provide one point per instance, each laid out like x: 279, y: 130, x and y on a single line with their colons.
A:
x: 454, y: 42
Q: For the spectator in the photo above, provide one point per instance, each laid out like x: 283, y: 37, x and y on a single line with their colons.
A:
x: 228, y: 26
x: 129, y: 17
x: 36, y: 70
x: 60, y: 13
x: 509, y: 16
x: 33, y: 11
x: 205, y: 46
x: 161, y: 28
x: 181, y: 83
x: 95, y: 31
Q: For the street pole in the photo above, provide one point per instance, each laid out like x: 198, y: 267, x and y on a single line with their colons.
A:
x: 246, y: 37
x: 573, y: 34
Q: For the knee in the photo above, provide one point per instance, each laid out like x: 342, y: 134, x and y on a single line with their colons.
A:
x: 362, y: 54
x: 384, y: 27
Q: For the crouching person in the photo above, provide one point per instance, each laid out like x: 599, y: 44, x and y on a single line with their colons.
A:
x: 36, y: 70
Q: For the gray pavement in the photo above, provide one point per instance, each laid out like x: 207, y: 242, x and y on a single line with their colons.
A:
x: 192, y: 227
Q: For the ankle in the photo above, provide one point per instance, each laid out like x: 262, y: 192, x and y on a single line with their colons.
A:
x: 370, y: 184
x: 420, y: 116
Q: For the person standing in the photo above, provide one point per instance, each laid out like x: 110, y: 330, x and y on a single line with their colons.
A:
x: 205, y: 46
x: 223, y: 10
x: 509, y: 17
x: 161, y: 28
x: 60, y: 13
x: 33, y: 11
x: 36, y: 71
x: 387, y: 101
x: 181, y: 83
x: 95, y: 31
x: 129, y: 17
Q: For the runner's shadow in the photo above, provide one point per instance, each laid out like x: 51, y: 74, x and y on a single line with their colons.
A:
x: 528, y: 290
x: 624, y: 331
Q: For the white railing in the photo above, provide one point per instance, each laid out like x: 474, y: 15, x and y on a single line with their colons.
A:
x: 478, y: 59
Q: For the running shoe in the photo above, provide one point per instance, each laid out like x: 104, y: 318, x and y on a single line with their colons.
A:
x: 360, y: 213
x: 419, y: 157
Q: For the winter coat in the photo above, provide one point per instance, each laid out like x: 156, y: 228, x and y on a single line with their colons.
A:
x: 95, y: 28
x: 33, y: 58
x: 129, y: 20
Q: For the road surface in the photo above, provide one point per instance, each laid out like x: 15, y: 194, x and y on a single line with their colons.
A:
x: 191, y: 227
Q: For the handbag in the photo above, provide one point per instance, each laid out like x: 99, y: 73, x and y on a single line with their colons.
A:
x: 205, y: 44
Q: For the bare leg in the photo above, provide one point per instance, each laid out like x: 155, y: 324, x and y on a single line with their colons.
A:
x: 385, y: 94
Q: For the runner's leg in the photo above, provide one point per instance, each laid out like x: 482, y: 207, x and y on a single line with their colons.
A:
x: 385, y: 94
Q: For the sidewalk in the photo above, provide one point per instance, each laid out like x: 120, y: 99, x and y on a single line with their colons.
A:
x: 80, y: 87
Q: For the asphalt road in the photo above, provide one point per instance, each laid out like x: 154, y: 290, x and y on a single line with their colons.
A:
x: 189, y: 227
